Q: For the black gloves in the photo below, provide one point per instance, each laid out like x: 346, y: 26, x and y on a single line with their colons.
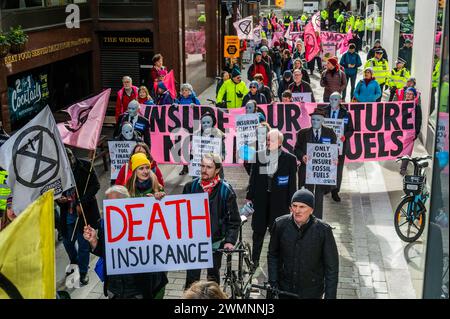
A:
x: 239, y: 95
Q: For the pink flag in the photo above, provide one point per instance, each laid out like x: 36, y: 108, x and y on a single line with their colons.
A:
x: 83, y: 129
x: 312, y: 42
x: 169, y: 82
x: 345, y: 44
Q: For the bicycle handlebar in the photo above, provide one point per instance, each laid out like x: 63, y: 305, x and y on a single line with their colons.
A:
x: 230, y: 251
x: 413, y: 159
x: 276, y: 291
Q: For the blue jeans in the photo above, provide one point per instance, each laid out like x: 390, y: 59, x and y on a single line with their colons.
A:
x: 80, y: 257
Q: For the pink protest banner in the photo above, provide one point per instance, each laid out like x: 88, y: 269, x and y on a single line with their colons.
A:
x: 338, y: 39
x: 442, y: 138
x: 383, y: 131
x: 195, y: 42
x: 169, y: 82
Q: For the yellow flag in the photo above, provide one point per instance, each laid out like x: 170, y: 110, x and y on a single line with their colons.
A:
x: 27, y: 253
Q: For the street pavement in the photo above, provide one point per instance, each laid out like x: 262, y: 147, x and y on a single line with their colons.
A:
x: 374, y: 262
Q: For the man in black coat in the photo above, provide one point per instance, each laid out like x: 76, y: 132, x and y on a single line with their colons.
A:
x: 405, y: 53
x: 336, y: 110
x: 303, y: 258
x: 271, y: 185
x: 318, y: 134
x: 224, y: 213
x: 139, y: 123
x: 71, y: 207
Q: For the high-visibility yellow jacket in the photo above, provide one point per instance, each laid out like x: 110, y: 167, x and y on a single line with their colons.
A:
x: 303, y: 17
x: 340, y: 18
x: 369, y: 24
x: 235, y: 93
x: 378, y: 23
x: 380, y: 69
x: 398, y: 78
x: 348, y: 24
x: 5, y: 191
x: 436, y: 74
x: 352, y: 21
x: 324, y: 14
x: 336, y: 14
x: 359, y: 25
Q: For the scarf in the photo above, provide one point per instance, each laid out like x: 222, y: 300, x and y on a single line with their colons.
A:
x: 208, y: 186
x: 367, y: 81
x: 144, y: 186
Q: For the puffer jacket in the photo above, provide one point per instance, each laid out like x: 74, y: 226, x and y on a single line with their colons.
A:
x: 332, y: 82
x: 304, y: 260
x: 367, y: 93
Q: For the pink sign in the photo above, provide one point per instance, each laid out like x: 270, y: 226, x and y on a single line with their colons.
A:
x: 383, y: 131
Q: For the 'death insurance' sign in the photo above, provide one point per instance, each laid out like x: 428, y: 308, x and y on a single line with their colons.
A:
x: 146, y: 235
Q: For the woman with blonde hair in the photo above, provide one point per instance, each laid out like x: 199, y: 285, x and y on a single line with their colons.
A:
x: 204, y: 290
x: 143, y: 182
x: 144, y: 96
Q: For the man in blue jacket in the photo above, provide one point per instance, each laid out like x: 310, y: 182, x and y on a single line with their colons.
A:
x: 351, y: 62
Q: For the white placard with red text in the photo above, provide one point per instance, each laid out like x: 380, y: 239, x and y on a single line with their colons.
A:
x: 146, y: 235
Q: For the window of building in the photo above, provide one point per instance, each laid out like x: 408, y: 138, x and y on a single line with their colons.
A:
x: 26, y: 4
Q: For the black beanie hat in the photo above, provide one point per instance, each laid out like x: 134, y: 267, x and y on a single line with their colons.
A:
x: 303, y: 196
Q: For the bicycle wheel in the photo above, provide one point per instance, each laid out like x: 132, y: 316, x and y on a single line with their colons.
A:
x: 409, y: 219
x: 229, y: 288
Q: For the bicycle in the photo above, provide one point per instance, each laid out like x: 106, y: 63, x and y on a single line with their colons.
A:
x: 412, y: 211
x: 222, y: 105
x: 237, y: 284
x: 274, y: 293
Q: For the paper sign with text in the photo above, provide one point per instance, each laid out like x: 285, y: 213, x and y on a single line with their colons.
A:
x: 246, y: 130
x: 146, y: 235
x: 321, y: 168
x: 301, y: 97
x: 119, y: 152
x: 338, y: 127
x: 202, y: 145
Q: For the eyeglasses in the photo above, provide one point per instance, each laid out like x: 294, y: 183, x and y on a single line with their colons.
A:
x: 253, y: 87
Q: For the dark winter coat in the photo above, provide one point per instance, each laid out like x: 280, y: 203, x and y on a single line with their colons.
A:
x: 344, y: 114
x: 259, y: 98
x: 305, y: 136
x: 87, y: 199
x: 164, y: 99
x: 303, y: 87
x: 406, y: 54
x: 350, y: 58
x: 262, y: 68
x: 332, y: 81
x: 224, y: 213
x: 283, y: 85
x: 304, y: 260
x: 129, y: 285
x: 283, y: 186
x: 142, y: 126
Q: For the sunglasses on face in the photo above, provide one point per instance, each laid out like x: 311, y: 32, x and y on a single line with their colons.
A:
x: 253, y: 87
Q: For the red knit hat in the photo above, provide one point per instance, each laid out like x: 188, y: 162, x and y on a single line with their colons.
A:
x: 334, y: 62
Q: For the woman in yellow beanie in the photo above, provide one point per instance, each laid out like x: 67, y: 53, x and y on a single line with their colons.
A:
x: 143, y: 182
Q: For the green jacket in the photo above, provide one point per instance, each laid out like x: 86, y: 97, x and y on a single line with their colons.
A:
x: 324, y: 14
x: 235, y: 93
x: 340, y: 18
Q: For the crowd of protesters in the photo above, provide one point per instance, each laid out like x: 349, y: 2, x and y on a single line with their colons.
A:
x: 283, y: 202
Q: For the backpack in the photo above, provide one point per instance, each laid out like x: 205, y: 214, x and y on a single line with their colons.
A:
x: 225, y: 190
